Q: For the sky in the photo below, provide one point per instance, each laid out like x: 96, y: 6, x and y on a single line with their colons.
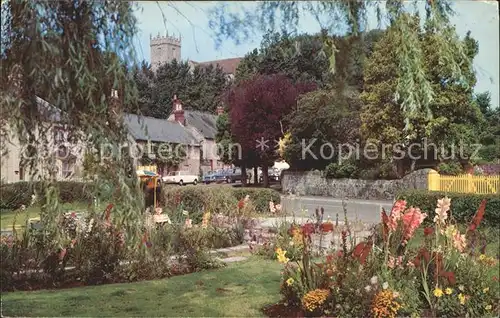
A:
x: 190, y: 21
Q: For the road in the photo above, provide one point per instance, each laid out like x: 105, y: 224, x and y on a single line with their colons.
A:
x: 367, y: 211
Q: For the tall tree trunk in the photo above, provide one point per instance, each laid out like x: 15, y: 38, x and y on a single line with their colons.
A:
x: 255, y: 175
x: 265, y: 175
x: 243, y: 175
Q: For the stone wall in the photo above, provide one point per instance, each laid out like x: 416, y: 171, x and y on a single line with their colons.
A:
x: 314, y: 184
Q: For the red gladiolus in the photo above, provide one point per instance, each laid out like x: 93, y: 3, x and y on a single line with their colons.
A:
x: 411, y: 221
x: 428, y: 231
x: 307, y: 229
x: 361, y: 251
x: 241, y: 204
x: 478, y: 217
x: 340, y: 254
x: 329, y: 258
x: 385, y: 226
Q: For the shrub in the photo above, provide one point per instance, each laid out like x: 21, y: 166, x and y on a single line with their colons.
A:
x: 260, y: 197
x: 13, y: 195
x: 463, y: 205
x: 222, y: 199
x: 450, y: 168
x: 345, y: 170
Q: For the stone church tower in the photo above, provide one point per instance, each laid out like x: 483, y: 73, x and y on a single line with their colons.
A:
x: 164, y: 49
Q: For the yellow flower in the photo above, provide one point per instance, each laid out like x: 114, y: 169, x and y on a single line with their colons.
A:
x: 385, y: 305
x: 461, y: 298
x: 482, y: 257
x: 281, y: 256
x: 438, y: 292
x: 448, y: 291
x: 487, y: 289
x: 289, y: 281
x: 314, y: 299
x: 488, y: 307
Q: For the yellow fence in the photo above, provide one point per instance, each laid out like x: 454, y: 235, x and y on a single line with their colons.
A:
x: 148, y: 168
x: 466, y: 183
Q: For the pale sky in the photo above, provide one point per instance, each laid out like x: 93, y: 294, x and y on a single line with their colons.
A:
x: 190, y: 20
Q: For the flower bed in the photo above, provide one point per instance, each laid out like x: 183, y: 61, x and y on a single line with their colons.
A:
x: 390, y: 275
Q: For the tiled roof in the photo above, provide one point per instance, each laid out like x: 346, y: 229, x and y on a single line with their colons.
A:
x: 228, y: 65
x: 204, y: 122
x: 158, y: 130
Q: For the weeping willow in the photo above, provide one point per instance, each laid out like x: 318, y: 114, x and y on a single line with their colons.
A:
x: 72, y: 54
x: 414, y: 92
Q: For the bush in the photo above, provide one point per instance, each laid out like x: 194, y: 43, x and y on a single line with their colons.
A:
x: 260, y: 197
x: 199, y: 199
x: 345, y: 170
x: 463, y: 205
x: 450, y: 169
x: 13, y: 195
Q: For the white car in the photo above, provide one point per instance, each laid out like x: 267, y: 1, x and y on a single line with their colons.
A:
x: 180, y: 177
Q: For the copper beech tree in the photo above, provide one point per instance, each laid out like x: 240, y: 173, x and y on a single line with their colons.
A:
x: 258, y: 109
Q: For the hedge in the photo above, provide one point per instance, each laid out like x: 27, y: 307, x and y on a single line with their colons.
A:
x: 216, y: 199
x: 14, y: 195
x: 463, y: 205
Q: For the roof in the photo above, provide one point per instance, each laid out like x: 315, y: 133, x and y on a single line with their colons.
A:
x: 205, y: 123
x: 228, y: 65
x: 158, y: 130
x: 48, y: 111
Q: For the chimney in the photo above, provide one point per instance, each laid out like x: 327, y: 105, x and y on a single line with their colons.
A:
x: 178, y: 111
x: 220, y: 110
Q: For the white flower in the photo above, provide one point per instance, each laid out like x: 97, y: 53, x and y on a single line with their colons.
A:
x: 385, y: 285
x: 23, y: 207
x: 395, y: 294
x: 91, y: 223
x: 184, y: 212
x: 368, y: 288
x: 374, y: 280
x: 247, y: 198
x: 461, y: 287
x: 291, y: 243
x: 33, y: 199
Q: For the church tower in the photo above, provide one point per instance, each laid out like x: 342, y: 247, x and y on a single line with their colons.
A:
x: 164, y: 49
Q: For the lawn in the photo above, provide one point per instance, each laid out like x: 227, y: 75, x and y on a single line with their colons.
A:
x: 241, y: 289
x: 8, y: 216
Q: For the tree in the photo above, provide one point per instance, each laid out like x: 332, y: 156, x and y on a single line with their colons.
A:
x: 258, y: 109
x: 453, y: 114
x: 200, y: 88
x: 322, y: 121
x: 76, y: 53
x: 413, y: 88
x: 490, y: 131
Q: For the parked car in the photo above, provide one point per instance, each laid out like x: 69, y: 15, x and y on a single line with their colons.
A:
x: 232, y: 175
x: 180, y: 177
x: 219, y: 175
x: 209, y: 177
x: 273, y: 175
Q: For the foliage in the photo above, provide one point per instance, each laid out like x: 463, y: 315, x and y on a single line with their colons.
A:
x: 15, y: 195
x: 225, y: 140
x: 490, y: 133
x: 388, y: 276
x: 450, y: 119
x: 224, y: 200
x: 345, y: 170
x: 93, y: 251
x: 257, y: 110
x: 199, y: 88
x: 463, y: 204
x: 260, y: 197
x: 450, y: 169
x: 66, y: 52
x: 165, y: 155
x: 321, y: 117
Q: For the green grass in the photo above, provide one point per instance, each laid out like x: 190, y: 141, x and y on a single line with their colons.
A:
x: 8, y: 216
x: 241, y: 289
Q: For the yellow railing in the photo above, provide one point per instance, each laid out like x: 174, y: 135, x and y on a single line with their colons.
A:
x: 147, y: 168
x: 466, y: 183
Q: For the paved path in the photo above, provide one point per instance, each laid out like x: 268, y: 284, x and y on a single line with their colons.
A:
x: 367, y: 211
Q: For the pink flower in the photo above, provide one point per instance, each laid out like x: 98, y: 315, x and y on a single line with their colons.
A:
x: 278, y: 207
x: 411, y: 221
x: 272, y: 208
x: 395, y: 216
x: 443, y: 206
x: 62, y: 253
x: 188, y: 223
x: 394, y: 262
x: 459, y: 242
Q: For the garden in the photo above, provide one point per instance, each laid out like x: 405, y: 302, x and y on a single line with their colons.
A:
x: 440, y: 260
